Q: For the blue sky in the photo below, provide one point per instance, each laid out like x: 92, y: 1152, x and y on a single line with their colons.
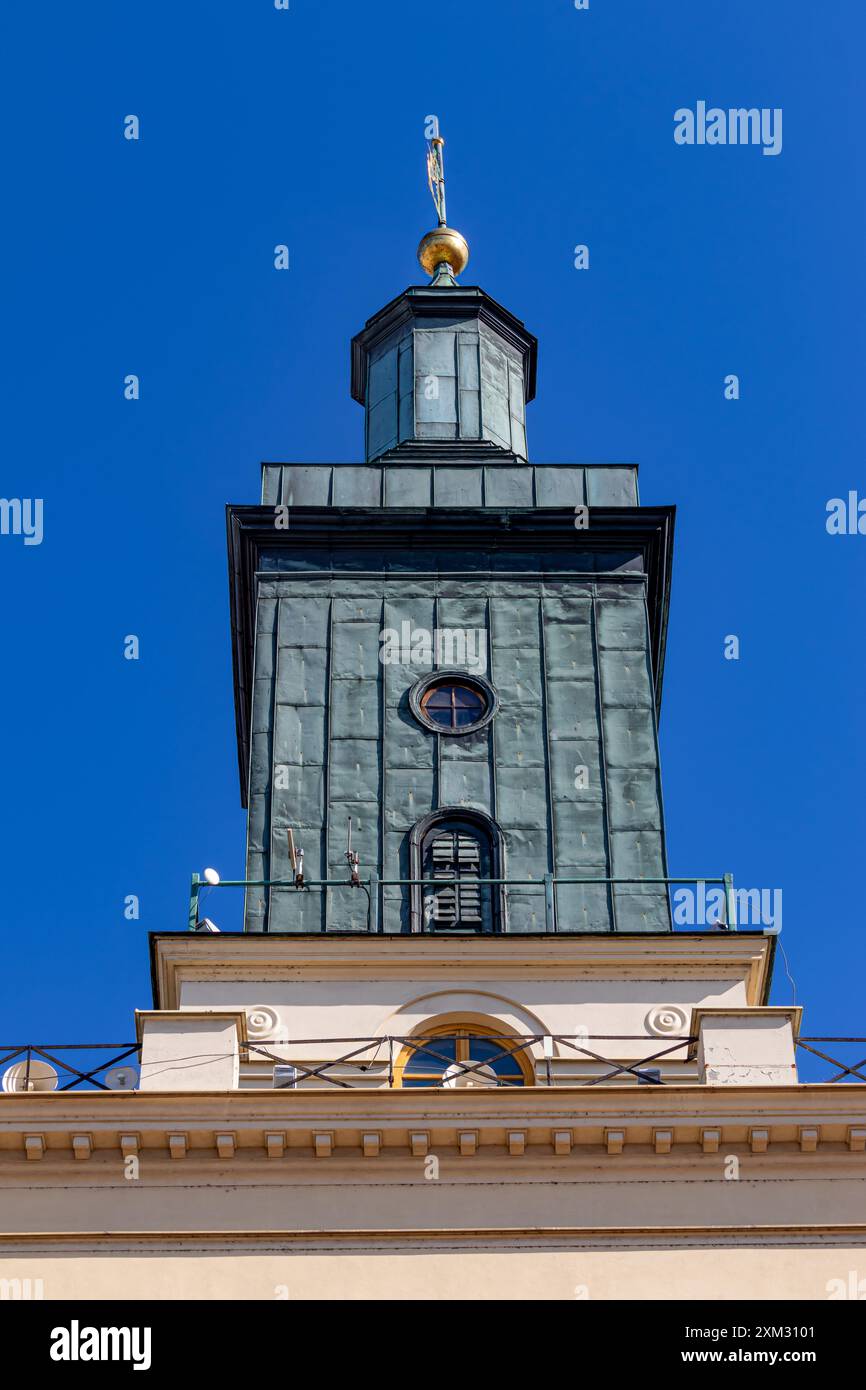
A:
x: 305, y: 127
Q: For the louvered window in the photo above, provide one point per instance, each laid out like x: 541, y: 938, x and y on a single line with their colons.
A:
x: 455, y: 854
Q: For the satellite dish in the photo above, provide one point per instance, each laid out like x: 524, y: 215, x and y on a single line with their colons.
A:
x: 456, y: 1077
x: 38, y: 1076
x: 212, y: 877
x: 122, y: 1078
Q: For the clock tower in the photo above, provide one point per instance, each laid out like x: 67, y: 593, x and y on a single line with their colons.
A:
x: 448, y: 658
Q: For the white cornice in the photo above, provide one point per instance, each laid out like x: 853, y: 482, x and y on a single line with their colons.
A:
x: 672, y: 956
x: 647, y: 1124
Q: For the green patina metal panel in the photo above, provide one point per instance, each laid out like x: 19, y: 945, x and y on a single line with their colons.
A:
x: 507, y: 487
x: 608, y: 486
x: 408, y: 485
x: 457, y: 487
x: 357, y: 486
x: 306, y: 485
x: 563, y: 486
x: 568, y: 767
x: 382, y: 395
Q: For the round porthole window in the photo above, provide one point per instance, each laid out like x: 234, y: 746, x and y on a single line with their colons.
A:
x: 453, y: 702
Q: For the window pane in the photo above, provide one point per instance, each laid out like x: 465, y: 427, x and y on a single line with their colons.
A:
x: 427, y: 1065
x: 440, y: 1054
x: 467, y: 699
x: 462, y: 717
x: 483, y: 1050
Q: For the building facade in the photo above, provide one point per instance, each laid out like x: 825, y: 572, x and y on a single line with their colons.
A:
x: 458, y: 1050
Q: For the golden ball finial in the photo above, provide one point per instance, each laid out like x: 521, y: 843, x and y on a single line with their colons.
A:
x: 443, y: 246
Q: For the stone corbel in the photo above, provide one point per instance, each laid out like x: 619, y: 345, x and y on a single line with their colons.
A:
x: 614, y: 1140
x: 34, y: 1147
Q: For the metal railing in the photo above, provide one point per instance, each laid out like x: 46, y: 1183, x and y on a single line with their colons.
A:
x: 393, y: 1051
x: 373, y: 887
x: 383, y: 1058
x: 387, y: 1051
x: 23, y: 1056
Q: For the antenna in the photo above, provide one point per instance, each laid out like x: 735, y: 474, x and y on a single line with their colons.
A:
x: 30, y: 1075
x: 353, y: 859
x: 296, y: 856
x: 122, y: 1078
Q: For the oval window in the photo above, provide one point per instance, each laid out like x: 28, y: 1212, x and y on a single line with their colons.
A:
x: 452, y: 702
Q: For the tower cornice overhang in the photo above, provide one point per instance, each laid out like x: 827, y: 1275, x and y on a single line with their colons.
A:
x: 182, y: 957
x: 645, y: 531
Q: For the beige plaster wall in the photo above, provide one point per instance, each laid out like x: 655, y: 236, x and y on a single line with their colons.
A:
x: 783, y: 1272
x: 337, y: 1193
x: 366, y: 1007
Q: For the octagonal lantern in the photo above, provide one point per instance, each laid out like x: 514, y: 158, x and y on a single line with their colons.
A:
x: 444, y: 371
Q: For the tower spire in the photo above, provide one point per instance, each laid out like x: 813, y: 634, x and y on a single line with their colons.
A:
x: 443, y: 253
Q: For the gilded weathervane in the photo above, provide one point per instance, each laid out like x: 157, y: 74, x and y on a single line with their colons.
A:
x: 443, y: 253
x: 436, y: 175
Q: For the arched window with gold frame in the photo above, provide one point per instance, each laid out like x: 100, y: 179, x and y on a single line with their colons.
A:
x: 455, y: 1055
